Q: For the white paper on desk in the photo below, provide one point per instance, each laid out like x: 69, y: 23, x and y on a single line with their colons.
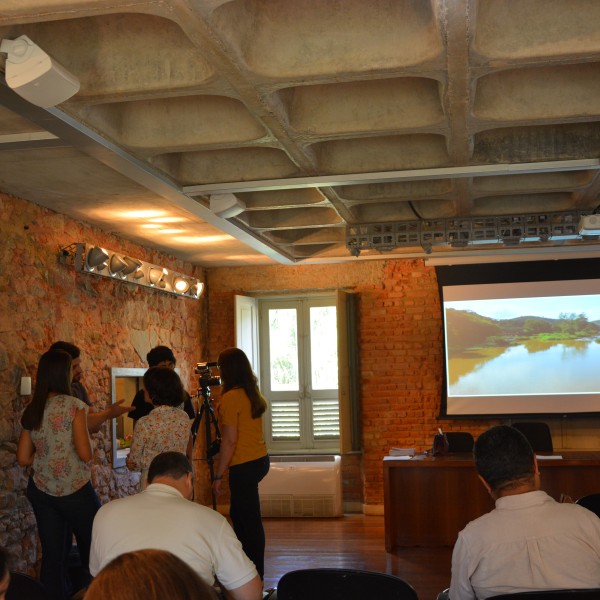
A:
x: 548, y: 456
x: 397, y: 457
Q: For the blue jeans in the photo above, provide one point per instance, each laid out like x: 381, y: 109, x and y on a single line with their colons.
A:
x: 245, y: 508
x: 57, y: 517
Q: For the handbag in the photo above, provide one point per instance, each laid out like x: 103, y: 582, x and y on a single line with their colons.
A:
x: 440, y: 443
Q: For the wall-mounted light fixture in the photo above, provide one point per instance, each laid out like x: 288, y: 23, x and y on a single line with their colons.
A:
x: 88, y: 258
x: 35, y: 75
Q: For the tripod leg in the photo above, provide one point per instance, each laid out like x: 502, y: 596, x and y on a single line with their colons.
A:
x: 209, y: 456
x: 196, y: 424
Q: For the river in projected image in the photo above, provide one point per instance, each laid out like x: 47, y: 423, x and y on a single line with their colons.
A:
x: 532, y: 367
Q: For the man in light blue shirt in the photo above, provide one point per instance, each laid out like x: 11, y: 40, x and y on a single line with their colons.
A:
x: 529, y: 541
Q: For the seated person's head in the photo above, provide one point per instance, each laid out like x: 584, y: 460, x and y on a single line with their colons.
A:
x: 4, y: 573
x: 172, y: 468
x: 504, y: 459
x: 161, y: 356
x: 148, y: 575
x: 163, y: 386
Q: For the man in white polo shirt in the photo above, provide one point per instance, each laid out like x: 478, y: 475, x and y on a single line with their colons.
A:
x: 164, y: 518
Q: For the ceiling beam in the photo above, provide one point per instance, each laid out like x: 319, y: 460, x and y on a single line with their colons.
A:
x: 77, y: 135
x: 292, y: 183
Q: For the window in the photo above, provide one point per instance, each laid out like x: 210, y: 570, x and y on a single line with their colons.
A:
x: 299, y: 375
x: 308, y: 366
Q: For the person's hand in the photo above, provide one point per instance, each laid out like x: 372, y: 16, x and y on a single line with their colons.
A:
x: 217, y: 487
x: 116, y: 410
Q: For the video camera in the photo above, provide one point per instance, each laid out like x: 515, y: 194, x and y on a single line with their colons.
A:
x: 206, y: 377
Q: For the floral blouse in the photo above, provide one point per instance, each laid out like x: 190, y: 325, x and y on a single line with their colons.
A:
x: 57, y: 468
x: 165, y: 429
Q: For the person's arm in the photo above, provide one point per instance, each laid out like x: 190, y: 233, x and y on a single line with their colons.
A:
x: 249, y: 591
x: 229, y: 437
x: 134, y: 458
x: 460, y: 581
x: 97, y: 419
x: 25, y: 449
x: 131, y: 463
x: 81, y: 437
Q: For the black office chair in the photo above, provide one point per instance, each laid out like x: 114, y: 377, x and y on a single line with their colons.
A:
x: 591, y: 502
x: 22, y: 586
x: 581, y: 594
x: 342, y: 584
x: 459, y: 441
x: 538, y: 435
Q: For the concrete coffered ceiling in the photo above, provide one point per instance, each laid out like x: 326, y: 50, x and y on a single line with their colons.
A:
x: 324, y: 120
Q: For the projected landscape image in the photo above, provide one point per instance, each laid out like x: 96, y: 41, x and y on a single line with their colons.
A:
x: 523, y: 346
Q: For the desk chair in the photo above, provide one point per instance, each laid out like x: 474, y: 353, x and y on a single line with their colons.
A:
x: 22, y: 586
x: 581, y: 594
x: 459, y: 441
x: 538, y: 435
x: 342, y: 584
x: 591, y: 502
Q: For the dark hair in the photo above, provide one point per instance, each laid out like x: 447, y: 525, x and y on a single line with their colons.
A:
x: 71, y: 349
x: 158, y: 354
x: 172, y: 464
x: 53, y: 375
x: 3, y: 562
x: 236, y: 371
x: 148, y: 575
x: 503, y: 456
x: 164, y: 386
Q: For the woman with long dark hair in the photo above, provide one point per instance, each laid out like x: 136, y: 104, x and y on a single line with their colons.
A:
x: 56, y: 441
x: 243, y: 451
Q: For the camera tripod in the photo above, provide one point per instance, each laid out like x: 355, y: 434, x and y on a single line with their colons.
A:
x: 213, y: 446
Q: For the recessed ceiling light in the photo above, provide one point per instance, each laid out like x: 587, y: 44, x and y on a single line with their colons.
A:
x: 142, y: 214
x: 197, y: 239
x: 169, y: 231
x: 167, y: 220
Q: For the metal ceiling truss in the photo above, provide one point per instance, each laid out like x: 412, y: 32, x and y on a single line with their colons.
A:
x: 509, y: 230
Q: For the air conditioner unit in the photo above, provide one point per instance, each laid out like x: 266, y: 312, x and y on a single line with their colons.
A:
x: 589, y: 225
x: 302, y: 486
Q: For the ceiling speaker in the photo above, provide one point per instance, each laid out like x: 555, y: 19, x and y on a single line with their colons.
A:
x: 589, y: 225
x: 226, y: 205
x: 35, y: 76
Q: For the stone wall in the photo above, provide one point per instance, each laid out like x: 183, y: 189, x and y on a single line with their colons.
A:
x: 114, y: 324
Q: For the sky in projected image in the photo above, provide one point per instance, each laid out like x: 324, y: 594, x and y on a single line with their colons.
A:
x: 548, y: 307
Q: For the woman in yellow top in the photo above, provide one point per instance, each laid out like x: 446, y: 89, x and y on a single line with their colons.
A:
x: 243, y: 451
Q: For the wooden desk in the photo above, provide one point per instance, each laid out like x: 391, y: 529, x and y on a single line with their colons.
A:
x: 428, y: 500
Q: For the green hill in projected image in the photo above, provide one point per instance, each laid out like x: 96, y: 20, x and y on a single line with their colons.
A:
x: 466, y: 329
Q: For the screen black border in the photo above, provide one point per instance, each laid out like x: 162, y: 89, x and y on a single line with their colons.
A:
x: 509, y: 272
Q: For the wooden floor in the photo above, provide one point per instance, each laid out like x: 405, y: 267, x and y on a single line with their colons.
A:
x: 356, y: 542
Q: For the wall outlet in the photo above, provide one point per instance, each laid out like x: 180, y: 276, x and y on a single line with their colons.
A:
x: 25, y: 386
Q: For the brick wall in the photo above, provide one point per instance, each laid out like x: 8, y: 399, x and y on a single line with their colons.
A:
x: 400, y: 331
x: 115, y: 324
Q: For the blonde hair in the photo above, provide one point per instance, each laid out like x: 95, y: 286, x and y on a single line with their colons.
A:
x: 148, y: 575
